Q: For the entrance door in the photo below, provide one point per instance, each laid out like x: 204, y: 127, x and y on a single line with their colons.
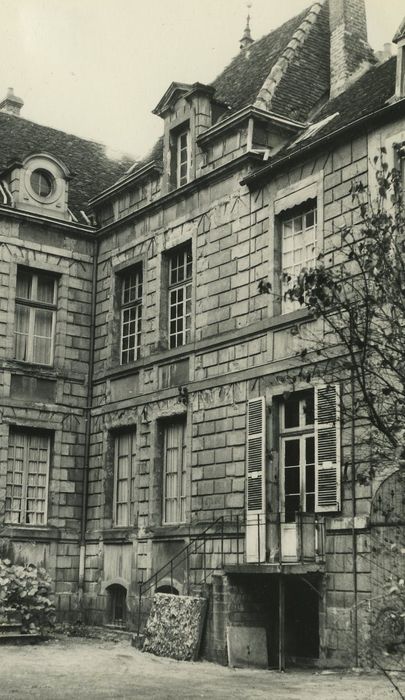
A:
x: 301, y: 621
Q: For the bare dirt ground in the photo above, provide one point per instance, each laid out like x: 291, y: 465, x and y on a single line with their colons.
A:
x: 67, y: 669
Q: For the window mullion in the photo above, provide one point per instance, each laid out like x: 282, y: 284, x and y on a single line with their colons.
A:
x: 34, y: 287
x: 302, y: 473
x: 164, y: 475
x: 51, y: 354
x: 30, y: 339
x: 129, y: 478
x: 115, y: 487
x: 179, y: 470
x: 24, y: 489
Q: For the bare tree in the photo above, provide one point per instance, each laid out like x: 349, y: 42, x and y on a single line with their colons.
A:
x: 358, y: 291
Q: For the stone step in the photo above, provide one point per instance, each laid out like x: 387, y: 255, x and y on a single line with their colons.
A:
x: 19, y: 638
x: 6, y: 627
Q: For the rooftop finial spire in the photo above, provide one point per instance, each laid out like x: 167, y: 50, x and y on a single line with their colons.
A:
x: 247, y: 37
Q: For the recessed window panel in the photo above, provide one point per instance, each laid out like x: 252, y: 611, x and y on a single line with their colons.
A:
x: 292, y: 452
x: 291, y: 412
x: 292, y: 480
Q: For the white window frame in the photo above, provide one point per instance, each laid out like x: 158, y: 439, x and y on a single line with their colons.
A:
x: 300, y: 432
x: 178, y: 491
x: 32, y: 304
x: 286, y: 199
x: 131, y: 313
x: 177, y: 288
x: 180, y: 160
x: 131, y: 457
x: 290, y: 232
x: 12, y: 480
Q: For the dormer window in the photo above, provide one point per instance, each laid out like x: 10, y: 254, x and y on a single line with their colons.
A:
x: 42, y: 182
x: 183, y: 157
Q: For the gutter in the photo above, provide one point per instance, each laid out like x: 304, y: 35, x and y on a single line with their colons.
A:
x: 227, y: 123
x: 121, y: 184
x: 87, y: 435
x: 245, y: 113
x: 394, y: 108
x: 192, y: 186
x: 40, y: 219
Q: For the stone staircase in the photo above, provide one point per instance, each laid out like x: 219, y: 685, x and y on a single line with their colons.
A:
x: 11, y: 633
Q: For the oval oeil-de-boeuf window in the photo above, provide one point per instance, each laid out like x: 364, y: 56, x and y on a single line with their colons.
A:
x: 42, y: 182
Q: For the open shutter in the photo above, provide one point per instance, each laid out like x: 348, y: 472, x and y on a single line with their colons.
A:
x: 255, y: 481
x: 327, y: 448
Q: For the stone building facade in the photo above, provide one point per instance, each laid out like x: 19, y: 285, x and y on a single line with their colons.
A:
x: 180, y: 435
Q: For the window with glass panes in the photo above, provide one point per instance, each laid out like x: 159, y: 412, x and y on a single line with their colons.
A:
x: 297, y: 454
x: 124, y: 478
x: 299, y: 244
x: 35, y: 316
x: 183, y: 157
x: 174, y: 472
x: 27, y: 478
x: 131, y: 314
x: 180, y: 273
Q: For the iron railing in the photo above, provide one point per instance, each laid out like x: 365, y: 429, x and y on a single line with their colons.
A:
x: 201, y: 563
x: 214, y: 532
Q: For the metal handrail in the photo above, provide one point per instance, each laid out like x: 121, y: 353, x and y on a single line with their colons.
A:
x: 196, y: 543
x: 144, y: 585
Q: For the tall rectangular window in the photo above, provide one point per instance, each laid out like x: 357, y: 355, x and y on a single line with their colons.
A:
x: 183, y: 157
x: 124, y: 478
x: 174, y: 472
x: 131, y: 314
x: 298, y: 454
x: 35, y: 316
x: 27, y: 478
x: 299, y: 248
x: 180, y: 276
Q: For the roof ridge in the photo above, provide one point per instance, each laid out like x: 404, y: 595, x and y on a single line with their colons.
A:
x: 266, y: 93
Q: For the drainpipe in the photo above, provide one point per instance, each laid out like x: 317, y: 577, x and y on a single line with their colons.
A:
x: 87, y: 436
x: 354, y: 536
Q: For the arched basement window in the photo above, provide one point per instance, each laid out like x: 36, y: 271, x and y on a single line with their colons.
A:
x: 117, y: 604
x: 167, y: 589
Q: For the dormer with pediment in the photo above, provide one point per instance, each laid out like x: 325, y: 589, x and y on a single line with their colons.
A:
x: 39, y: 184
x: 187, y: 111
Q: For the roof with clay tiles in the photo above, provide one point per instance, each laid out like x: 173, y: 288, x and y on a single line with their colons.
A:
x: 92, y: 168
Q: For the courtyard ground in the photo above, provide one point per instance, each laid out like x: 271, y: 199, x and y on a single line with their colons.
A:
x: 75, y: 668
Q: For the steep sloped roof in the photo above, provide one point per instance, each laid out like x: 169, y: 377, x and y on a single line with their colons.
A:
x: 239, y: 84
x: 365, y: 96
x: 92, y: 169
x: 370, y: 93
x: 306, y: 80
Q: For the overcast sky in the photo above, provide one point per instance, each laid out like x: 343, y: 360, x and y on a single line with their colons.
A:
x: 97, y: 68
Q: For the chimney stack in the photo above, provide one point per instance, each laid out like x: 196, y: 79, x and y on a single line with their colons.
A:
x: 350, y: 53
x: 385, y: 53
x: 11, y: 103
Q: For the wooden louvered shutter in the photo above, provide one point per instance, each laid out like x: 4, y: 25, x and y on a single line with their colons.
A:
x: 327, y: 448
x: 255, y: 481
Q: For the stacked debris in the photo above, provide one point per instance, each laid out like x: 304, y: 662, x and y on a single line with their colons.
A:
x: 175, y: 625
